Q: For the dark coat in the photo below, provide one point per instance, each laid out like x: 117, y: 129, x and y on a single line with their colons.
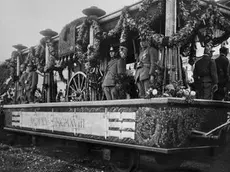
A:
x: 22, y: 80
x: 31, y: 81
x: 114, y: 67
x: 148, y: 59
x: 222, y: 65
x: 205, y: 71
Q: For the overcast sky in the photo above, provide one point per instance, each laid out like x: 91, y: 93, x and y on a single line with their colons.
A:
x: 22, y: 20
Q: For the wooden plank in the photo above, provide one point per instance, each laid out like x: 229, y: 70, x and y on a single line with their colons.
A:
x: 124, y: 103
x: 15, y: 124
x: 15, y: 118
x: 122, y: 115
x: 104, y: 103
x: 122, y: 125
x: 121, y: 134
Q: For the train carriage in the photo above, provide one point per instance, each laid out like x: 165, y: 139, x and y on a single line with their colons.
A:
x: 167, y: 129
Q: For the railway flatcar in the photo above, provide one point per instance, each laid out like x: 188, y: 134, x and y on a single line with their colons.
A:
x: 169, y: 128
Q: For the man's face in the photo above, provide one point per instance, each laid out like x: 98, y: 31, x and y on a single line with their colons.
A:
x: 112, y: 53
x: 22, y: 68
x: 123, y: 52
x: 144, y: 43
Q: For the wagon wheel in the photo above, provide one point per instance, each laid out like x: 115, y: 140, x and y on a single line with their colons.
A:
x: 77, y: 87
x: 124, y: 161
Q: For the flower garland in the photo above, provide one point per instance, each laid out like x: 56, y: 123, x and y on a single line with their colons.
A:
x: 182, y: 37
x: 83, y: 40
x: 117, y: 29
x: 190, y: 12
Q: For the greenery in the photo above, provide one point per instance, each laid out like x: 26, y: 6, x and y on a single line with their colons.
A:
x: 5, y: 74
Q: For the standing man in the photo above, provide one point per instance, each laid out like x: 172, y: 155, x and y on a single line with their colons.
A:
x: 31, y: 82
x: 205, y: 76
x: 21, y: 90
x: 222, y: 64
x: 145, y: 67
x: 113, y: 68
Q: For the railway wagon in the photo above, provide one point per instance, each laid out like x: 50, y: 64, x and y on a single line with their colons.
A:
x: 166, y: 128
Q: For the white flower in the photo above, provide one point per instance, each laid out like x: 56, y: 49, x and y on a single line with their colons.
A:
x: 154, y: 92
x: 186, y: 93
x: 192, y: 93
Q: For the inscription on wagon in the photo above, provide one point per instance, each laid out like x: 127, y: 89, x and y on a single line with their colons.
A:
x: 74, y: 122
x: 38, y: 121
x: 86, y: 123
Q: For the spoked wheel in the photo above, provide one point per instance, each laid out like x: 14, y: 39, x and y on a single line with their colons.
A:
x: 125, y: 161
x: 77, y: 87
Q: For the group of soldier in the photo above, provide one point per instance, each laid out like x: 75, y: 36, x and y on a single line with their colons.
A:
x: 145, y: 66
x: 211, y: 76
x: 27, y: 83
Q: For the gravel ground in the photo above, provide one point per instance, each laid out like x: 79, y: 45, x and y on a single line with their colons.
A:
x: 49, y: 155
x: 66, y: 159
x: 57, y: 156
x: 49, y: 159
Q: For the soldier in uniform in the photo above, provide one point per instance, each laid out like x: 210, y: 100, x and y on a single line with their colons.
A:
x: 21, y: 90
x: 222, y: 64
x: 113, y: 68
x: 31, y: 82
x: 205, y: 76
x: 31, y: 56
x: 145, y: 67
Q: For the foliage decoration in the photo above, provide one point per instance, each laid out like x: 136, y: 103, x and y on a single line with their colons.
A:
x: 92, y: 52
x: 89, y: 54
x: 196, y: 21
x: 117, y: 29
x: 125, y: 85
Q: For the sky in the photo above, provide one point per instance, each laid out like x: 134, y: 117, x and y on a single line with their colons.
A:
x: 22, y: 20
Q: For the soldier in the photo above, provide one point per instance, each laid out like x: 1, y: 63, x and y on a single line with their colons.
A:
x: 31, y: 82
x: 222, y: 65
x: 21, y: 90
x: 31, y: 56
x: 113, y: 68
x: 145, y: 67
x: 205, y: 76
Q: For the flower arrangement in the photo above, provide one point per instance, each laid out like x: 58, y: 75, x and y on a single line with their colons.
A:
x: 125, y: 85
x: 176, y: 89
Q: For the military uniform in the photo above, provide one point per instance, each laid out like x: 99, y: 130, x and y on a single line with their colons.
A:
x: 222, y: 65
x: 115, y: 66
x: 205, y: 76
x: 21, y: 90
x: 31, y: 85
x: 145, y: 68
